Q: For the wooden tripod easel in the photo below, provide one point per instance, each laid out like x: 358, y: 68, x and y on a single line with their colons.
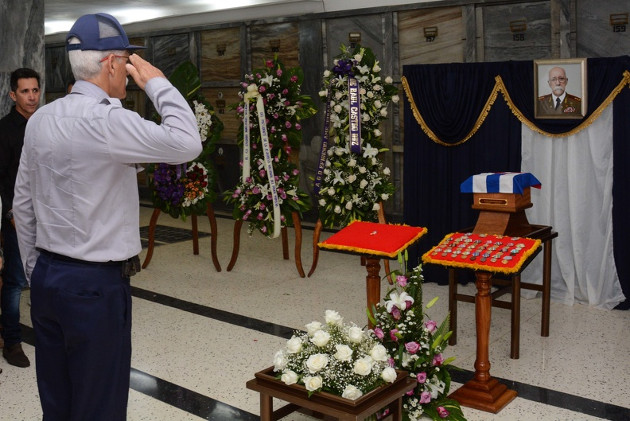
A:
x: 285, y: 243
x: 195, y: 232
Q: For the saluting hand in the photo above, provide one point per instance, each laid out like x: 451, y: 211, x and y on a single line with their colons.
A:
x: 142, y: 71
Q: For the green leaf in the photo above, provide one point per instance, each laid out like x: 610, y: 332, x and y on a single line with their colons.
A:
x: 186, y: 79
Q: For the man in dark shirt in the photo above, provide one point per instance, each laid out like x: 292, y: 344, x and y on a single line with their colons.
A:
x: 25, y: 93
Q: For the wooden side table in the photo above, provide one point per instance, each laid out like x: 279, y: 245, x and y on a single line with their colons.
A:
x: 325, y: 403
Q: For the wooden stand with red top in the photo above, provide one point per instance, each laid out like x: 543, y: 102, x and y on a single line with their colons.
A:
x: 501, y: 214
x: 373, y: 241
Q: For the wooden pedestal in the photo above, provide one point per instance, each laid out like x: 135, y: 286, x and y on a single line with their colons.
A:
x: 483, y: 392
x: 195, y: 233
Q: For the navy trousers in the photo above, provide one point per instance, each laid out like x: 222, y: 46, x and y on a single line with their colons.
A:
x: 81, y: 315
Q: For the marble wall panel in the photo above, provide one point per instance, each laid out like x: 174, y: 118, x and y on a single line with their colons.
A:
x: 271, y: 39
x: 169, y: 51
x: 228, y: 117
x: 22, y: 45
x: 447, y: 47
x: 58, y: 71
x: 499, y: 43
x: 595, y: 35
x: 221, y: 55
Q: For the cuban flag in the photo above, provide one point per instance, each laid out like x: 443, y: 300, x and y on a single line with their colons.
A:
x: 499, y: 182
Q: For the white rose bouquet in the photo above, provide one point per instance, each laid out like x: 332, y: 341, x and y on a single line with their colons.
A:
x: 334, y: 357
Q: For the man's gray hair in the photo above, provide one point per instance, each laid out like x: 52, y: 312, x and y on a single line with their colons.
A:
x: 87, y: 64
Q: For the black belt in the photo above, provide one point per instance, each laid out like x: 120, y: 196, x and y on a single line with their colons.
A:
x: 129, y: 267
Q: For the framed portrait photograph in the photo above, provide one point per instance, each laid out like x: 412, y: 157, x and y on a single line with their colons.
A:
x: 560, y: 88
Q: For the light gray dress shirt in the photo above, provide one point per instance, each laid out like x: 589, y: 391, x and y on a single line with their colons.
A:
x: 76, y: 192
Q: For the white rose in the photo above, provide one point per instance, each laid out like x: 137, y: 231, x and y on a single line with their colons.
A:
x: 384, y: 112
x: 352, y: 162
x: 338, y: 95
x: 289, y: 377
x: 337, y: 108
x: 352, y: 178
x: 313, y: 327
x: 355, y: 334
x: 344, y: 352
x: 294, y: 345
x: 365, y: 117
x: 386, y: 171
x: 322, y: 202
x: 389, y: 374
x: 312, y: 383
x: 316, y: 362
x: 377, y: 132
x: 337, y: 209
x: 320, y: 338
x: 339, y: 151
x: 376, y: 207
x: 349, y: 205
x: 362, y: 91
x: 370, y: 94
x: 379, y: 353
x: 395, y: 98
x: 279, y: 361
x: 363, y: 183
x: 331, y: 191
x: 384, y: 196
x: 377, y: 87
x: 329, y: 152
x: 351, y: 392
x: 363, y: 366
x: 327, y: 170
x: 378, y: 103
x: 376, y: 67
x: 358, y: 57
x: 389, y: 80
x: 332, y: 317
x: 326, y: 73
x: 362, y: 170
x: 323, y: 93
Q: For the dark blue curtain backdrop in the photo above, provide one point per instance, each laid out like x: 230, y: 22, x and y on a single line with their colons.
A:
x: 450, y: 98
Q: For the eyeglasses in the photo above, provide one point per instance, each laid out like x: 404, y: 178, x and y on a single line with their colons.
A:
x: 558, y: 79
x: 117, y: 56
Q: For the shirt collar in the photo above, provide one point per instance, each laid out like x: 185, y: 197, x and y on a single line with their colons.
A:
x: 89, y: 89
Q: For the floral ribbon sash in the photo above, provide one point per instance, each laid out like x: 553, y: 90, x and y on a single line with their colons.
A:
x: 264, y: 135
x: 354, y: 99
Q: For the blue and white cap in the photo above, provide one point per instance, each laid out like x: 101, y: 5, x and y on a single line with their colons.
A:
x: 101, y: 32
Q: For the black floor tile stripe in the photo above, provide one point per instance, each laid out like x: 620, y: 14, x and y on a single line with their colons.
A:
x: 211, y: 409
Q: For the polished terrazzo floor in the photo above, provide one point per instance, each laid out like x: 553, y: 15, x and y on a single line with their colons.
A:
x: 199, y: 335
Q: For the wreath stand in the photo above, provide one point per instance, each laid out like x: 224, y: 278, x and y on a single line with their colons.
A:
x: 297, y: 223
x: 317, y: 232
x: 195, y: 232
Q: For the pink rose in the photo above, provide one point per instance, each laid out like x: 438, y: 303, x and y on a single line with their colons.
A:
x: 378, y: 332
x: 421, y: 377
x: 442, y: 412
x: 294, y: 78
x: 437, y: 360
x: 269, y: 63
x: 392, y: 335
x: 279, y: 72
x: 430, y: 325
x: 425, y: 397
x: 401, y: 280
x: 396, y: 313
x: 412, y: 347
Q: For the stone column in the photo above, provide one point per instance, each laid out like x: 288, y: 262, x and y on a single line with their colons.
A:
x: 21, y: 43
